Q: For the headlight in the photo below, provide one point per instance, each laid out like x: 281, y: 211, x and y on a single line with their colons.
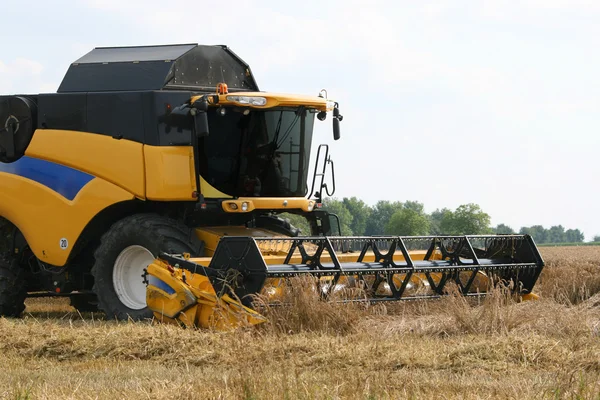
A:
x: 249, y: 100
x: 311, y: 206
x: 330, y: 105
x: 244, y: 206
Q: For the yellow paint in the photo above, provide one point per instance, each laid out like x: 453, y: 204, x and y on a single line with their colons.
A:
x: 210, y: 192
x: 162, y: 173
x: 120, y: 162
x: 530, y: 296
x: 170, y: 305
x: 188, y: 317
x: 169, y: 173
x: 275, y: 253
x: 268, y: 203
x: 194, y: 302
x: 211, y: 235
x: 275, y: 100
x: 45, y: 217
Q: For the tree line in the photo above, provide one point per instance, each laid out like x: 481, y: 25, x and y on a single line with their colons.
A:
x: 410, y: 219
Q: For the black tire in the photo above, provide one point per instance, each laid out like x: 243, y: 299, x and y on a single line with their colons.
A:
x: 151, y: 231
x: 277, y: 224
x: 12, y: 287
x: 84, y: 302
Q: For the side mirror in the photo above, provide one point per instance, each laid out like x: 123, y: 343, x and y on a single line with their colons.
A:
x: 336, y: 123
x: 201, y: 124
x: 200, y: 117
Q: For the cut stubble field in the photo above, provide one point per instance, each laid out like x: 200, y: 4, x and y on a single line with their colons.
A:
x: 451, y: 348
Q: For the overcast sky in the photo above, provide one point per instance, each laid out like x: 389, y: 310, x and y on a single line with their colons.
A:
x: 444, y: 102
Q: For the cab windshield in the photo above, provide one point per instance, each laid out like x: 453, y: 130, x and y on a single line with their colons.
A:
x: 263, y: 153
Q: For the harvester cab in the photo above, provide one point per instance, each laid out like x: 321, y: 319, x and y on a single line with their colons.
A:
x: 152, y: 182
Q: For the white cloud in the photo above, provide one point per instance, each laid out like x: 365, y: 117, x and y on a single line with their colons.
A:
x: 529, y: 11
x: 22, y: 66
x: 21, y: 75
x: 581, y: 5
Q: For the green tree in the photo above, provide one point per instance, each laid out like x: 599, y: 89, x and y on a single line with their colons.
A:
x: 408, y: 222
x: 380, y: 216
x: 338, y: 207
x: 415, y: 206
x: 435, y: 221
x: 556, y: 234
x: 360, y: 214
x: 537, y: 232
x: 574, y: 236
x: 597, y: 238
x: 502, y: 229
x: 467, y: 219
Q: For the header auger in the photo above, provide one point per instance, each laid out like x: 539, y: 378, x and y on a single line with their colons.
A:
x: 151, y: 183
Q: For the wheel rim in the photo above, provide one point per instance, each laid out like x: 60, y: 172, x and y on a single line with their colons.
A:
x: 127, y: 276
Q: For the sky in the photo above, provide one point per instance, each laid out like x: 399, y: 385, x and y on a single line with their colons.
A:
x: 444, y: 102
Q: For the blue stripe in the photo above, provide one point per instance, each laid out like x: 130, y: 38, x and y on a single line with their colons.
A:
x: 154, y: 281
x: 62, y: 179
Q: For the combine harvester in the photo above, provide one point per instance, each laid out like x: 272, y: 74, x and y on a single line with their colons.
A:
x: 150, y: 185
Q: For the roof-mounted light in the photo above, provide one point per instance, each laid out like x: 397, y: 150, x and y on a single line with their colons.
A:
x: 248, y: 100
x: 222, y: 88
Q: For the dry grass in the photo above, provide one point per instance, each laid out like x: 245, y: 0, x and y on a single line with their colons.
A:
x: 560, y: 283
x: 440, y: 349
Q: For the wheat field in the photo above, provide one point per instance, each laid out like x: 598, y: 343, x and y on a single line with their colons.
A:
x: 450, y: 348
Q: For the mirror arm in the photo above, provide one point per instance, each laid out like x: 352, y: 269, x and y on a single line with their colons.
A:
x: 196, y: 147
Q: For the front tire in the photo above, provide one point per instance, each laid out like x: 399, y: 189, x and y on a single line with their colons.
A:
x: 126, y: 249
x: 277, y: 225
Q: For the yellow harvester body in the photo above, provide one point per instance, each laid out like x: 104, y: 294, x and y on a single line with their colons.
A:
x: 148, y: 153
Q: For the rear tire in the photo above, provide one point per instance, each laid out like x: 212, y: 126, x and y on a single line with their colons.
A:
x: 125, y: 251
x: 12, y: 286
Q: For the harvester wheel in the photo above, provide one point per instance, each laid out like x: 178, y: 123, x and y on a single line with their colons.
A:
x: 12, y: 286
x: 277, y: 224
x: 126, y: 249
